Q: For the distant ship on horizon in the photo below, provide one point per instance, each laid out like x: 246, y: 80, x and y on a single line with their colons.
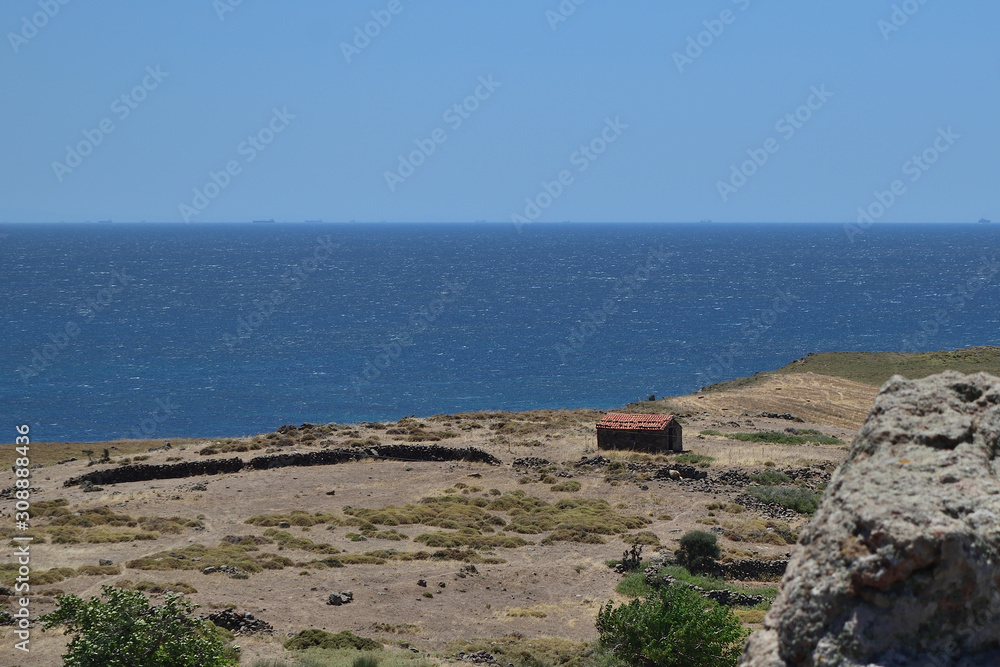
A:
x: 257, y: 222
x: 313, y: 221
x: 984, y: 221
x: 104, y: 222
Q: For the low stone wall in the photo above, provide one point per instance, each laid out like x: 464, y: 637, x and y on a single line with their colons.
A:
x: 770, y: 510
x: 318, y: 458
x: 725, y: 597
x: 435, y: 453
x: 684, y: 470
x: 754, y: 570
x: 143, y: 473
x: 531, y: 462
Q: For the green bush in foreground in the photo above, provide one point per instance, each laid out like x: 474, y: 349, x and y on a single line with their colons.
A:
x: 125, y: 631
x: 672, y: 627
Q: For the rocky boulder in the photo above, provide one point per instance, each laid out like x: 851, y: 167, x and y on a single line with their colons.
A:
x: 901, y: 563
x: 339, y: 598
x: 240, y: 623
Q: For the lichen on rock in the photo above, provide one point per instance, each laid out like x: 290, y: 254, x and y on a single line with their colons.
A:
x: 900, y: 566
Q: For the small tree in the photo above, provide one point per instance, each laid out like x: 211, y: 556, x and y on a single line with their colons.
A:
x: 126, y: 632
x: 699, y: 551
x: 673, y: 627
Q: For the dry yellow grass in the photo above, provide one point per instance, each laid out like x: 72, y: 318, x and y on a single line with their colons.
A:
x: 732, y: 453
x: 818, y: 399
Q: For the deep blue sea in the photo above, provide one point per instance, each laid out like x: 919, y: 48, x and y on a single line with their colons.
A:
x: 160, y: 330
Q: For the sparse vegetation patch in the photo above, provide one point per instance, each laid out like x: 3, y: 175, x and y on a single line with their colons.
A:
x: 801, y: 500
x: 700, y: 460
x: 760, y: 531
x: 321, y: 639
x: 288, y: 541
x: 198, y: 557
x: 295, y: 518
x: 523, y: 652
x: 783, y: 438
x: 155, y: 587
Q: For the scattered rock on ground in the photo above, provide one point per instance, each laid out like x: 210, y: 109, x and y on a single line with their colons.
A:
x: 479, y: 657
x: 226, y: 569
x: 530, y: 462
x: 776, y: 415
x: 240, y: 623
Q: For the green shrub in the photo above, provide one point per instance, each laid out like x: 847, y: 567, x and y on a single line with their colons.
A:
x: 569, y: 486
x: 698, y: 551
x: 322, y: 639
x: 672, y: 627
x: 782, y: 438
x: 700, y: 460
x: 633, y: 585
x: 771, y: 477
x: 803, y: 501
x: 125, y: 631
x: 646, y: 537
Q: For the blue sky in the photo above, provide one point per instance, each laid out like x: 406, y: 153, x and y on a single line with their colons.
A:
x: 663, y: 131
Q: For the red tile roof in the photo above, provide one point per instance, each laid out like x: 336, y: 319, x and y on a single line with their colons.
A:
x: 627, y: 422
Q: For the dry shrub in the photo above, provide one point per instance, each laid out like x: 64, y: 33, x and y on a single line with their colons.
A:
x: 760, y: 531
x: 295, y: 518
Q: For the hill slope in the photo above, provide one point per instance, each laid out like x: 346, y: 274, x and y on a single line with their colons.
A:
x: 874, y: 368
